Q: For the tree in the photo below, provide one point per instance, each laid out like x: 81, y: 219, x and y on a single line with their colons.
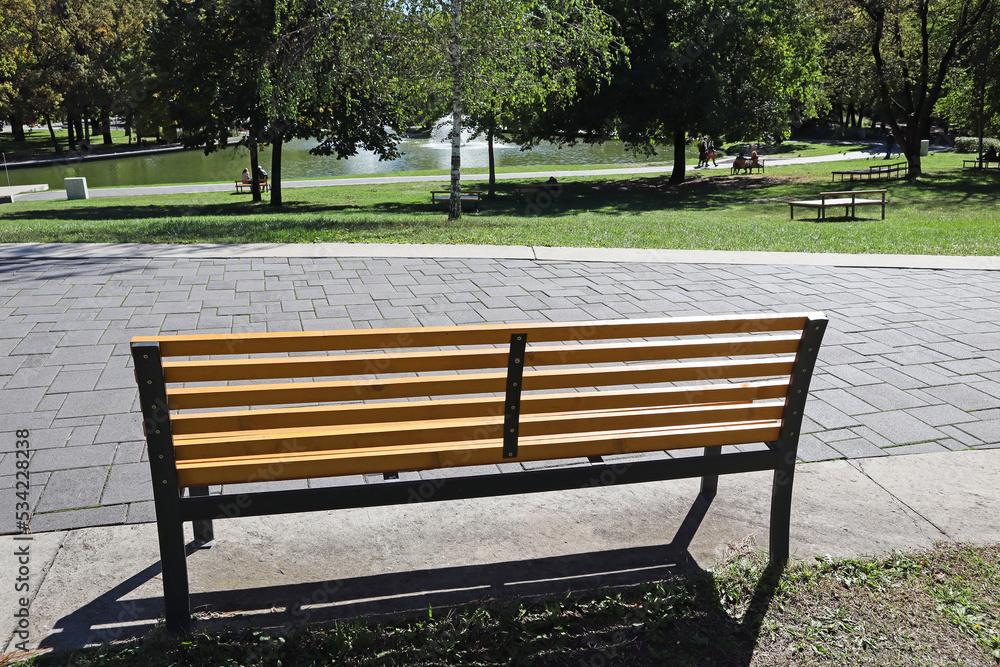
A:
x: 278, y: 70
x: 719, y: 68
x: 915, y: 46
x: 319, y: 81
x: 496, y: 54
x: 973, y: 97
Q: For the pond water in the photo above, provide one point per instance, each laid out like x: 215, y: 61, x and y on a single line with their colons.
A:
x: 417, y: 154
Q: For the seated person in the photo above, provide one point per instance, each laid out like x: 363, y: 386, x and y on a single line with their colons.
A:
x: 261, y: 174
x: 991, y: 155
x: 246, y: 175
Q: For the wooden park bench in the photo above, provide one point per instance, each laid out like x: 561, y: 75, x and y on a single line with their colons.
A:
x: 878, y: 172
x: 553, y: 190
x: 982, y: 164
x: 473, y: 196
x: 385, y: 401
x: 241, y: 185
x: 849, y: 199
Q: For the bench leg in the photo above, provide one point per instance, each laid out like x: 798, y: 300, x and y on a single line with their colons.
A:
x: 204, y: 534
x: 781, y: 511
x: 173, y: 560
x: 710, y: 483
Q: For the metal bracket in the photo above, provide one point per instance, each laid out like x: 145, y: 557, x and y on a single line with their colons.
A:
x: 512, y: 403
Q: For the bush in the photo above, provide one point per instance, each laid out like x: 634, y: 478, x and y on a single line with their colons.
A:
x: 971, y: 144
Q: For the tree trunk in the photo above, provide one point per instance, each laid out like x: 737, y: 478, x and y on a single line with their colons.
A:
x: 455, y: 201
x: 79, y: 128
x: 493, y: 164
x: 275, y: 183
x: 677, y: 176
x: 106, y: 128
x: 254, y: 164
x: 52, y: 133
x: 17, y: 129
x: 70, y: 133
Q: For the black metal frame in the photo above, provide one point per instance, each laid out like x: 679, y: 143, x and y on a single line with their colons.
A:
x: 172, y: 509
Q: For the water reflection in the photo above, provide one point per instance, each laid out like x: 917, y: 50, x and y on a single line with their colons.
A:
x: 297, y: 163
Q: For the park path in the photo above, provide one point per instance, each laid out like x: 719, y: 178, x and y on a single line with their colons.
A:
x: 536, y: 176
x: 911, y: 362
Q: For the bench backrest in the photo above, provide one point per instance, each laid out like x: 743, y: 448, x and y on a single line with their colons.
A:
x: 853, y: 193
x: 279, y: 406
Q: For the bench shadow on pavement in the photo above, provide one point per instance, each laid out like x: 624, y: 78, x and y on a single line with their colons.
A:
x: 109, y: 618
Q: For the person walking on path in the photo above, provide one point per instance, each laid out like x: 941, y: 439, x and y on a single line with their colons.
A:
x: 711, y: 154
x: 702, y: 153
x: 890, y: 143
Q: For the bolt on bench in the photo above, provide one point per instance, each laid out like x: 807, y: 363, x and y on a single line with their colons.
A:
x: 392, y: 400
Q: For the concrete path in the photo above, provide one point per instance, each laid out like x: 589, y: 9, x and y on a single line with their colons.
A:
x: 910, y: 365
x: 102, y: 584
x: 724, y: 163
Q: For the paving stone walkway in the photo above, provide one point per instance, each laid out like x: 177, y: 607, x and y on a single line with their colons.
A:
x: 911, y: 361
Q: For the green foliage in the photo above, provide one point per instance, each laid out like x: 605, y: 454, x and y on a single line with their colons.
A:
x: 971, y: 144
x: 916, y: 47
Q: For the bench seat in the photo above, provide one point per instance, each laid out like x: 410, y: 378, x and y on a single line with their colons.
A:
x: 273, y: 407
x: 848, y: 199
x: 246, y: 185
x: 467, y: 196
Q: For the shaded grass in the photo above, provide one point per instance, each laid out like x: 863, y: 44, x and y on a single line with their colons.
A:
x: 948, y: 211
x: 936, y: 608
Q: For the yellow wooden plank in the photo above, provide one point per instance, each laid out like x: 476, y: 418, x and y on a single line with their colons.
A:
x: 324, y: 464
x: 489, y: 334
x: 473, y: 383
x: 218, y: 370
x: 360, y: 436
x: 200, y: 422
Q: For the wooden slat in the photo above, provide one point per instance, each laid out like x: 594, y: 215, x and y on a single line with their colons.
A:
x: 349, y: 462
x: 194, y: 423
x: 473, y: 383
x: 453, y: 360
x: 496, y: 334
x: 330, y: 438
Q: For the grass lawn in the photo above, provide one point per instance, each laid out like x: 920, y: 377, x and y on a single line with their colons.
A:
x: 937, y: 608
x: 948, y: 211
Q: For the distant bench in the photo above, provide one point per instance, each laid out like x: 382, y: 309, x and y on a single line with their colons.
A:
x: 470, y: 196
x: 848, y: 199
x: 240, y: 185
x: 225, y: 409
x: 878, y: 172
x: 553, y: 190
x: 981, y: 164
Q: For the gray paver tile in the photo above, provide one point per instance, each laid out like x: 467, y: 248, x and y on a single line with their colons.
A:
x: 941, y: 415
x: 988, y: 432
x: 899, y: 428
x: 90, y: 354
x: 73, y: 489
x: 843, y: 401
x: 812, y: 449
x: 91, y: 516
x: 918, y: 448
x: 99, y: 403
x: 68, y: 457
x: 142, y: 512
x: 966, y: 397
x: 39, y: 376
x: 127, y: 482
x: 886, y: 397
x: 21, y: 400
x: 857, y: 448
